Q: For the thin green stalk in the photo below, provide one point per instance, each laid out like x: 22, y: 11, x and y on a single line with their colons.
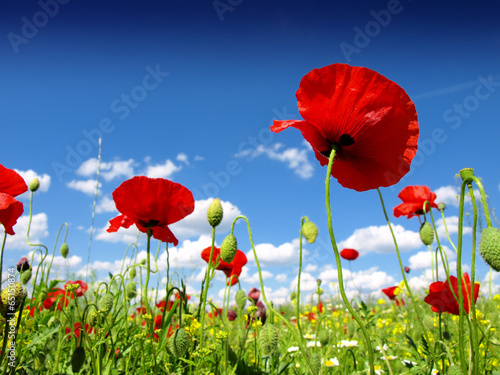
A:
x: 339, y: 265
x: 410, y: 293
x: 93, y: 209
x: 146, y: 283
x: 1, y: 260
x: 205, y: 286
x: 263, y: 293
x: 297, y: 308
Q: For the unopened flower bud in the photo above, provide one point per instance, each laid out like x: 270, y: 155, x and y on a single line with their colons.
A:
x: 426, y: 233
x: 34, y: 184
x: 228, y: 248
x: 131, y: 290
x: 269, y: 339
x: 215, y: 213
x: 11, y: 298
x: 310, y: 231
x: 241, y: 299
x: 23, y: 265
x: 105, y: 303
x: 179, y: 343
x: 64, y: 250
x: 441, y: 206
x: 454, y: 370
x: 293, y: 295
x: 132, y: 273
x: 26, y: 276
x: 77, y: 359
x: 490, y: 247
x: 324, y: 337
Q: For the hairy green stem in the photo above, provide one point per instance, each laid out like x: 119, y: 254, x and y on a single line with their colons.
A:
x: 369, y: 347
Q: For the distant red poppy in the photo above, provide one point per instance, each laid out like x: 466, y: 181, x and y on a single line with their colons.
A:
x: 78, y: 327
x: 233, y: 269
x: 82, y: 288
x: 441, y: 297
x: 368, y: 119
x: 231, y: 315
x: 154, y: 202
x: 349, y: 254
x: 390, y: 292
x: 11, y: 185
x: 254, y: 294
x: 413, y: 198
x: 162, y: 304
x: 61, y: 296
x: 407, y: 269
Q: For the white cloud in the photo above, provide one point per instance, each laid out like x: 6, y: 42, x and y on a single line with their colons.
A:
x: 186, y: 255
x: 281, y: 278
x: 30, y: 175
x: 254, y: 279
x: 448, y: 195
x: 378, y: 239
x: 197, y: 224
x: 198, y: 158
x: 164, y: 170
x: 183, y: 158
x: 86, y: 187
x: 38, y: 231
x: 311, y: 268
x: 295, y: 159
x: 452, y: 225
x: 425, y: 259
x: 307, y: 282
x: 105, y: 204
x: 123, y: 235
x: 108, y: 170
x: 278, y: 297
x: 270, y: 255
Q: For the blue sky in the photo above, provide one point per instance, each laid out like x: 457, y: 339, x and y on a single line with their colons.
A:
x: 187, y: 90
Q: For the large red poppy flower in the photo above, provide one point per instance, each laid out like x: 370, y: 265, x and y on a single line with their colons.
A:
x: 62, y: 297
x: 441, y: 297
x: 11, y: 185
x: 349, y: 254
x: 232, y: 270
x: 368, y: 119
x: 154, y: 202
x: 413, y: 198
x: 391, y: 293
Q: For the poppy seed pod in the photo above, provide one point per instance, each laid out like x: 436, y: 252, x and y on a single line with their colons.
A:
x: 64, y: 250
x: 426, y: 233
x: 310, y: 231
x: 228, y: 248
x: 132, y: 273
x: 34, y: 184
x: 454, y: 370
x: 77, y: 359
x: 241, y: 299
x: 269, y: 339
x: 215, y: 213
x: 490, y: 247
x: 106, y: 302
x: 179, y: 343
x: 441, y: 206
x: 14, y: 292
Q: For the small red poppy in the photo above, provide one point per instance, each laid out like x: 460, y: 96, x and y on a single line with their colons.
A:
x: 82, y: 288
x: 154, y: 202
x: 11, y: 185
x: 349, y: 254
x: 390, y: 292
x: 413, y: 198
x: 441, y: 297
x: 254, y: 294
x: 407, y: 269
x: 61, y: 296
x: 368, y: 119
x: 232, y: 270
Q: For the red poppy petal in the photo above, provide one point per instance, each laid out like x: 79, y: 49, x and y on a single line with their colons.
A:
x: 165, y: 234
x: 311, y: 134
x: 11, y: 182
x: 10, y: 210
x: 121, y: 221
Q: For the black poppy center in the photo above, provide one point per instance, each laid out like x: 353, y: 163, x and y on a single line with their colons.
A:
x: 149, y: 223
x: 345, y: 140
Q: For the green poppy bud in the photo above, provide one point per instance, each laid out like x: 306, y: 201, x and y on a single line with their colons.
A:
x: 316, y: 362
x: 426, y: 233
x: 324, y: 338
x: 132, y: 273
x: 78, y: 359
x: 26, y: 276
x: 179, y: 343
x: 454, y: 370
x: 228, y: 248
x: 34, y: 184
x: 269, y: 339
x: 441, y: 206
x: 64, y: 250
x: 215, y: 213
x: 105, y: 303
x: 490, y: 247
x: 131, y: 290
x: 241, y: 299
x: 310, y: 231
x: 293, y: 295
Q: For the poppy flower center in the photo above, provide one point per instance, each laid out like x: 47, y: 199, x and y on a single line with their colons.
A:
x: 345, y: 140
x: 149, y: 223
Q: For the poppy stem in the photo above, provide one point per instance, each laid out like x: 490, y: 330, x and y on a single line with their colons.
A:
x: 205, y: 285
x: 339, y: 265
x: 146, y: 283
